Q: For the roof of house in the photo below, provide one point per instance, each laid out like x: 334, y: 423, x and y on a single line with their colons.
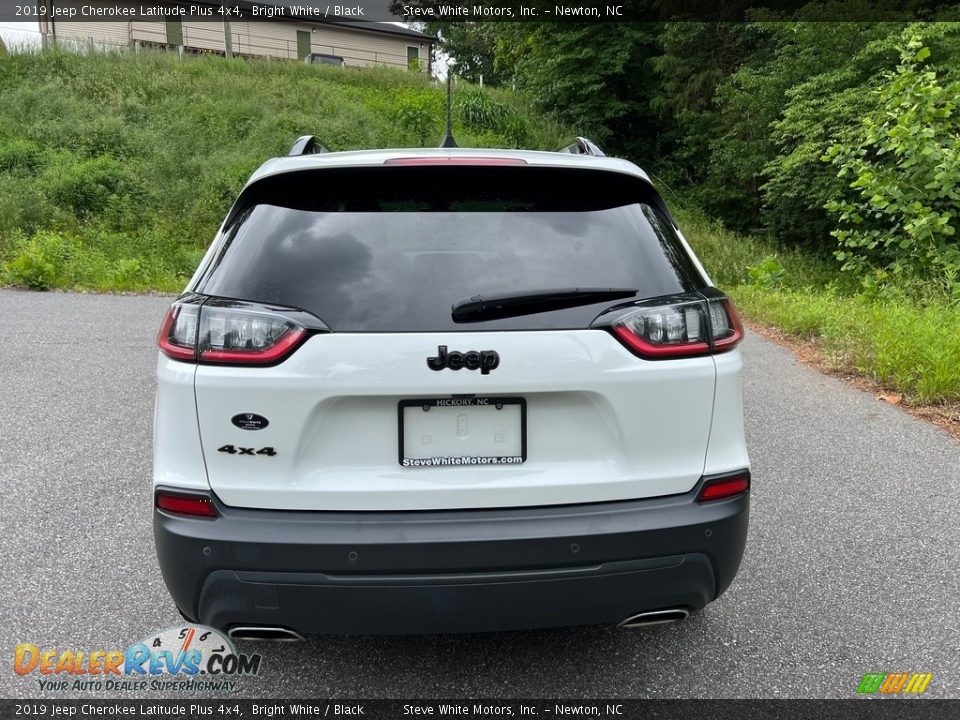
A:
x: 388, y: 28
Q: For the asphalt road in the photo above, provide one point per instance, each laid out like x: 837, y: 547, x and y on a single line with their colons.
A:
x: 851, y: 565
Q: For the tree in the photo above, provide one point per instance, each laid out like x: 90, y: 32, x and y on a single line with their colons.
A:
x: 471, y: 46
x: 593, y: 76
x: 901, y: 218
x: 694, y: 61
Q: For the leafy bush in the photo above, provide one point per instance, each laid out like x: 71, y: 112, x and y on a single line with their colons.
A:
x: 767, y: 273
x: 417, y: 114
x: 86, y: 186
x: 20, y: 156
x: 902, y: 217
x: 38, y: 262
x: 478, y: 109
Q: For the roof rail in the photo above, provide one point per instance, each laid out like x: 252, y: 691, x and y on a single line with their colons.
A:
x: 583, y: 146
x: 306, y: 145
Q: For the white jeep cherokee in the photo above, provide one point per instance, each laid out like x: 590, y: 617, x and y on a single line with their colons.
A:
x: 413, y: 391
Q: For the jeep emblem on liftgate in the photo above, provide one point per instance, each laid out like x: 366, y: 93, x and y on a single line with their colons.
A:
x: 485, y: 360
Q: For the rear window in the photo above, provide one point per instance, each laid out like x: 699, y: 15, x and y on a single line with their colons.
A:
x: 390, y: 249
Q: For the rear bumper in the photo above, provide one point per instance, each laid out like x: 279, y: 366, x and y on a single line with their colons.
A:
x: 450, y: 571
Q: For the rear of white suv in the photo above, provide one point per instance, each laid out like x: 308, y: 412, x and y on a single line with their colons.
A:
x: 448, y: 390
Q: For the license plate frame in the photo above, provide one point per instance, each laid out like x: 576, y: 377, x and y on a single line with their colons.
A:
x: 448, y: 403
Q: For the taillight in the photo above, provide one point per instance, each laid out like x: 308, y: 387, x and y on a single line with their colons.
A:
x: 724, y: 487
x: 183, y: 504
x: 229, y: 333
x: 673, y: 330
x: 178, y: 333
x: 678, y: 326
x: 725, y: 324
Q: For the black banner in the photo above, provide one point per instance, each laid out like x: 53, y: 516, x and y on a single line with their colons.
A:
x: 352, y: 11
x: 613, y: 709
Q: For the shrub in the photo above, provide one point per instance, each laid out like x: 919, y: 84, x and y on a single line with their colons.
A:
x: 767, y: 273
x: 20, y: 156
x: 417, y: 114
x: 479, y: 111
x: 902, y: 217
x: 38, y: 262
x: 86, y: 186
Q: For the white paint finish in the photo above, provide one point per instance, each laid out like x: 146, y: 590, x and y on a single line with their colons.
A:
x: 727, y: 449
x: 373, y: 158
x: 602, y: 423
x: 177, y: 455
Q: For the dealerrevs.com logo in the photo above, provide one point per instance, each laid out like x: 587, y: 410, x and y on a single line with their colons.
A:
x: 182, y: 658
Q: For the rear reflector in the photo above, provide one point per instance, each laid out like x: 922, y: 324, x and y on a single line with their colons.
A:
x: 192, y: 505
x: 724, y: 487
x: 442, y: 160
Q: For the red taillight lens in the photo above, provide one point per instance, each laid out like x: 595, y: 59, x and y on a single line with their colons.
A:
x: 219, y: 333
x: 229, y: 335
x: 178, y: 334
x: 724, y: 487
x: 725, y: 324
x: 679, y: 327
x: 663, y: 331
x: 192, y: 505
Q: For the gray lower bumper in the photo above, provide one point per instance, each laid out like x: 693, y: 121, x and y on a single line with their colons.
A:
x: 450, y: 571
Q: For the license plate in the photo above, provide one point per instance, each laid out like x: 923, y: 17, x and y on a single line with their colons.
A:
x: 443, y: 432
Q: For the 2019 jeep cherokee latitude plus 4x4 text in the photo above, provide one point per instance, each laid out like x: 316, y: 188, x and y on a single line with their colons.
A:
x: 448, y: 390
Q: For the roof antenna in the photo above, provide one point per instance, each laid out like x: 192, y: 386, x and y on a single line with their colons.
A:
x: 448, y: 141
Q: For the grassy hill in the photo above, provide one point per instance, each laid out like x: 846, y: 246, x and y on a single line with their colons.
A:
x: 115, y: 171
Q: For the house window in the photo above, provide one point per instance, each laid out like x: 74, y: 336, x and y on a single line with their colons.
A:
x: 303, y: 43
x: 174, y: 32
x: 413, y: 57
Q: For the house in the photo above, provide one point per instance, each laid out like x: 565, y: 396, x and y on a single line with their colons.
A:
x: 306, y: 37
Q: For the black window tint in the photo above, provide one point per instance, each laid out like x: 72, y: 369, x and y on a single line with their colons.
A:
x: 391, y: 249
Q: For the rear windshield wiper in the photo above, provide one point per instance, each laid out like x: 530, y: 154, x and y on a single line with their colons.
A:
x: 493, y: 307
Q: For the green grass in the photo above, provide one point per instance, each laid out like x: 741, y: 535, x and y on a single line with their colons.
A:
x: 909, y: 345
x: 115, y: 171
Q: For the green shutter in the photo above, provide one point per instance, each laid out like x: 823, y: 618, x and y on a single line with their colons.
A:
x: 174, y: 32
x: 303, y: 44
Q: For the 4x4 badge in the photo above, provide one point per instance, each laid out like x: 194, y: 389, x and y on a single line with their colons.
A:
x: 483, y: 360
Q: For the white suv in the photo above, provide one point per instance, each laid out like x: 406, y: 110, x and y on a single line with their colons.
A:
x: 414, y: 391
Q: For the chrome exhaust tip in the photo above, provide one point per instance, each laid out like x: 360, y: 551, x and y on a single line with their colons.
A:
x: 263, y: 632
x: 655, y: 617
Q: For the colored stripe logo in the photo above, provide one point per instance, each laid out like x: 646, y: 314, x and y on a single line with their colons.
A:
x: 894, y: 683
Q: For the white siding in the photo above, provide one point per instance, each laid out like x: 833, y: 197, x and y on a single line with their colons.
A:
x: 356, y: 47
x: 154, y: 31
x: 277, y: 39
x: 79, y: 32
